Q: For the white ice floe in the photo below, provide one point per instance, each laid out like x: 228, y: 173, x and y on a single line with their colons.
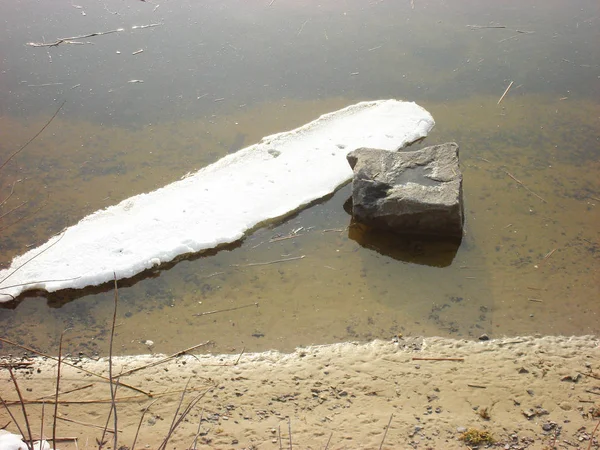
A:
x: 217, y: 204
x: 9, y: 441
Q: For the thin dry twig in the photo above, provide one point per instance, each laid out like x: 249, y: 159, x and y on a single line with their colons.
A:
x: 505, y: 92
x: 438, y: 359
x: 239, y: 357
x: 386, y: 430
x: 302, y: 27
x: 69, y: 391
x: 523, y: 186
x: 45, y: 355
x: 199, y: 425
x: 29, y: 260
x: 156, y: 363
x: 113, y: 387
x: 183, y: 415
x: 549, y: 254
x: 140, y: 424
x: 102, y: 400
x: 42, y: 421
x: 20, y: 219
x: 12, y: 190
x: 14, y: 380
x: 290, y: 431
x: 70, y: 40
x: 13, y: 209
x: 36, y: 135
x: 60, y: 342
x: 592, y: 436
x: 294, y: 258
x: 5, y: 404
x: 279, y: 437
x: 86, y: 424
x: 479, y: 27
x: 224, y: 310
x: 16, y: 364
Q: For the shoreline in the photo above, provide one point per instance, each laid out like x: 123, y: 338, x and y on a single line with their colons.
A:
x: 343, y: 396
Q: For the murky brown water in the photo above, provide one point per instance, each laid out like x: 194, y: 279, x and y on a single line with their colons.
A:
x: 528, y: 263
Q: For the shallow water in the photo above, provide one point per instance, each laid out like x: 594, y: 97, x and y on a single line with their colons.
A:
x: 220, y: 75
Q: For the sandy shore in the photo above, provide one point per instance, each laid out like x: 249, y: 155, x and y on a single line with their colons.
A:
x: 527, y: 392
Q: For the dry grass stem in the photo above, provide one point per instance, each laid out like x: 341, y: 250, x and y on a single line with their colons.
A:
x: 29, y: 349
x: 73, y: 39
x: 137, y: 432
x: 295, y: 258
x: 438, y: 359
x: 523, y: 186
x: 86, y: 424
x: 25, y: 416
x: 60, y: 342
x: 69, y: 391
x: 505, y: 92
x: 224, y: 310
x: 33, y: 138
x: 168, y: 358
x: 104, y: 400
x: 14, y: 420
x: 386, y: 430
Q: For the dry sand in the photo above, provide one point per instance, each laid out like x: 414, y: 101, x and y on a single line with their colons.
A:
x: 341, y: 394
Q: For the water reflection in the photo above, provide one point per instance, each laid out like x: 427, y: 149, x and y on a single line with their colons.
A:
x: 422, y: 250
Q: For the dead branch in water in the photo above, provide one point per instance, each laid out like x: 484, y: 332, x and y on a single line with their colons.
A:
x: 71, y: 40
x: 36, y: 135
x: 75, y: 39
x: 505, y: 92
x: 225, y: 310
x: 269, y: 262
x: 29, y: 260
x: 523, y: 186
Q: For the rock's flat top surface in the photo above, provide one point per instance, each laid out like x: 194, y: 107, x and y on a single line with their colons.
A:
x: 414, y: 192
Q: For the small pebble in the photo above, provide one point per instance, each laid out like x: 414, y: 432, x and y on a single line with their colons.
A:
x: 548, y: 426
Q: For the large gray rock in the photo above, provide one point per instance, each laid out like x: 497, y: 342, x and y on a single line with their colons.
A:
x: 418, y: 192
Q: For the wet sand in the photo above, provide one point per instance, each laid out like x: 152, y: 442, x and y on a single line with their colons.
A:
x: 527, y: 392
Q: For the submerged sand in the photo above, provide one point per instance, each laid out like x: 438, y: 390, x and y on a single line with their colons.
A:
x: 527, y: 392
